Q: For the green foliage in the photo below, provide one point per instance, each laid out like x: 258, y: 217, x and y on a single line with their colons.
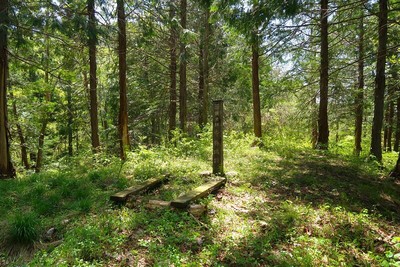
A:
x: 288, y: 205
x: 24, y: 228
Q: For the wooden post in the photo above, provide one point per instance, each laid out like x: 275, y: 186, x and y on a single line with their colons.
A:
x: 218, y: 148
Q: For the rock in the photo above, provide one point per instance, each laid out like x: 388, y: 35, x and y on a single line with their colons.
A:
x: 200, y: 240
x: 212, y: 212
x: 263, y: 225
x: 49, y: 235
x: 205, y: 173
x: 154, y: 204
x: 197, y: 210
x: 231, y: 174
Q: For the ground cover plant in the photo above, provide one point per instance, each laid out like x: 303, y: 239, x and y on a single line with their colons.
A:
x: 283, y: 205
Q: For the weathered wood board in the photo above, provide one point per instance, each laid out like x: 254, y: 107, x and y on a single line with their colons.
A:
x: 199, y: 192
x: 149, y: 184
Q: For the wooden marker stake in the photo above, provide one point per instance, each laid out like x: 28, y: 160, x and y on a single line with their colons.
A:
x: 218, y: 148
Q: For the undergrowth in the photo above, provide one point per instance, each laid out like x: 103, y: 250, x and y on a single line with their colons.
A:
x: 284, y: 205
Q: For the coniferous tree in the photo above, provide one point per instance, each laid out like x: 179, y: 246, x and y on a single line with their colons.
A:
x: 359, y: 99
x: 172, y: 70
x: 6, y: 166
x: 380, y: 82
x: 123, y: 101
x: 323, y: 128
x: 182, y: 70
x: 92, y: 40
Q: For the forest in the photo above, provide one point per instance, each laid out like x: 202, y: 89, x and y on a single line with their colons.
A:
x: 200, y: 133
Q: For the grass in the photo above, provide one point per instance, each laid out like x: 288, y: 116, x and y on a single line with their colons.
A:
x: 284, y: 205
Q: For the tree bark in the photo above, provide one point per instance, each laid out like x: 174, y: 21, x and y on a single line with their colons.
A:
x: 201, y: 80
x: 256, y: 85
x: 359, y: 99
x: 323, y: 127
x: 70, y: 120
x: 385, y: 128
x: 314, y: 122
x: 123, y: 100
x: 45, y: 118
x: 6, y: 167
x: 24, y: 153
x: 397, y: 134
x: 172, y: 72
x: 390, y: 125
x: 182, y: 73
x: 376, y: 145
x: 92, y: 36
x: 39, y: 155
x: 204, y: 69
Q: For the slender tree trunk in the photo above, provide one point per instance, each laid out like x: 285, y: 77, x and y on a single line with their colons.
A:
x: 123, y: 100
x: 376, y: 146
x: 154, y: 129
x: 397, y: 134
x: 359, y: 100
x: 24, y: 153
x: 39, y: 155
x: 204, y: 69
x: 45, y: 118
x: 323, y: 128
x: 201, y: 80
x: 70, y: 120
x: 390, y: 125
x: 94, y: 121
x: 6, y: 167
x: 182, y: 73
x: 314, y: 122
x: 172, y: 72
x: 256, y: 85
x: 385, y: 128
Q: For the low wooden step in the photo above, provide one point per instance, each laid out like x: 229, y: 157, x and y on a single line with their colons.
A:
x: 147, y: 185
x: 199, y: 192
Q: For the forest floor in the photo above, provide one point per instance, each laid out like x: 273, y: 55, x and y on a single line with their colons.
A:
x: 283, y: 205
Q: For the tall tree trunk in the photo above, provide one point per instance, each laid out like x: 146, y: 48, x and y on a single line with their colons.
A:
x: 256, y: 85
x: 39, y: 155
x: 390, y: 124
x: 385, y: 128
x: 6, y: 167
x: 94, y: 121
x: 201, y: 80
x: 123, y: 100
x: 376, y: 146
x: 204, y: 69
x: 397, y: 134
x: 182, y: 73
x: 314, y: 122
x: 172, y: 72
x: 359, y: 99
x: 323, y: 128
x: 70, y: 120
x: 45, y: 118
x: 24, y: 153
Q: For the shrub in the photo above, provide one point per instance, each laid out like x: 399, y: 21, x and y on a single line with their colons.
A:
x: 24, y: 228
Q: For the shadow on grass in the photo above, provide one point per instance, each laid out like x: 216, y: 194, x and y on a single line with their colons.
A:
x: 317, y: 178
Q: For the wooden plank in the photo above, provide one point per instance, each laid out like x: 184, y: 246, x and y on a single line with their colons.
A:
x: 137, y: 189
x: 199, y: 192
